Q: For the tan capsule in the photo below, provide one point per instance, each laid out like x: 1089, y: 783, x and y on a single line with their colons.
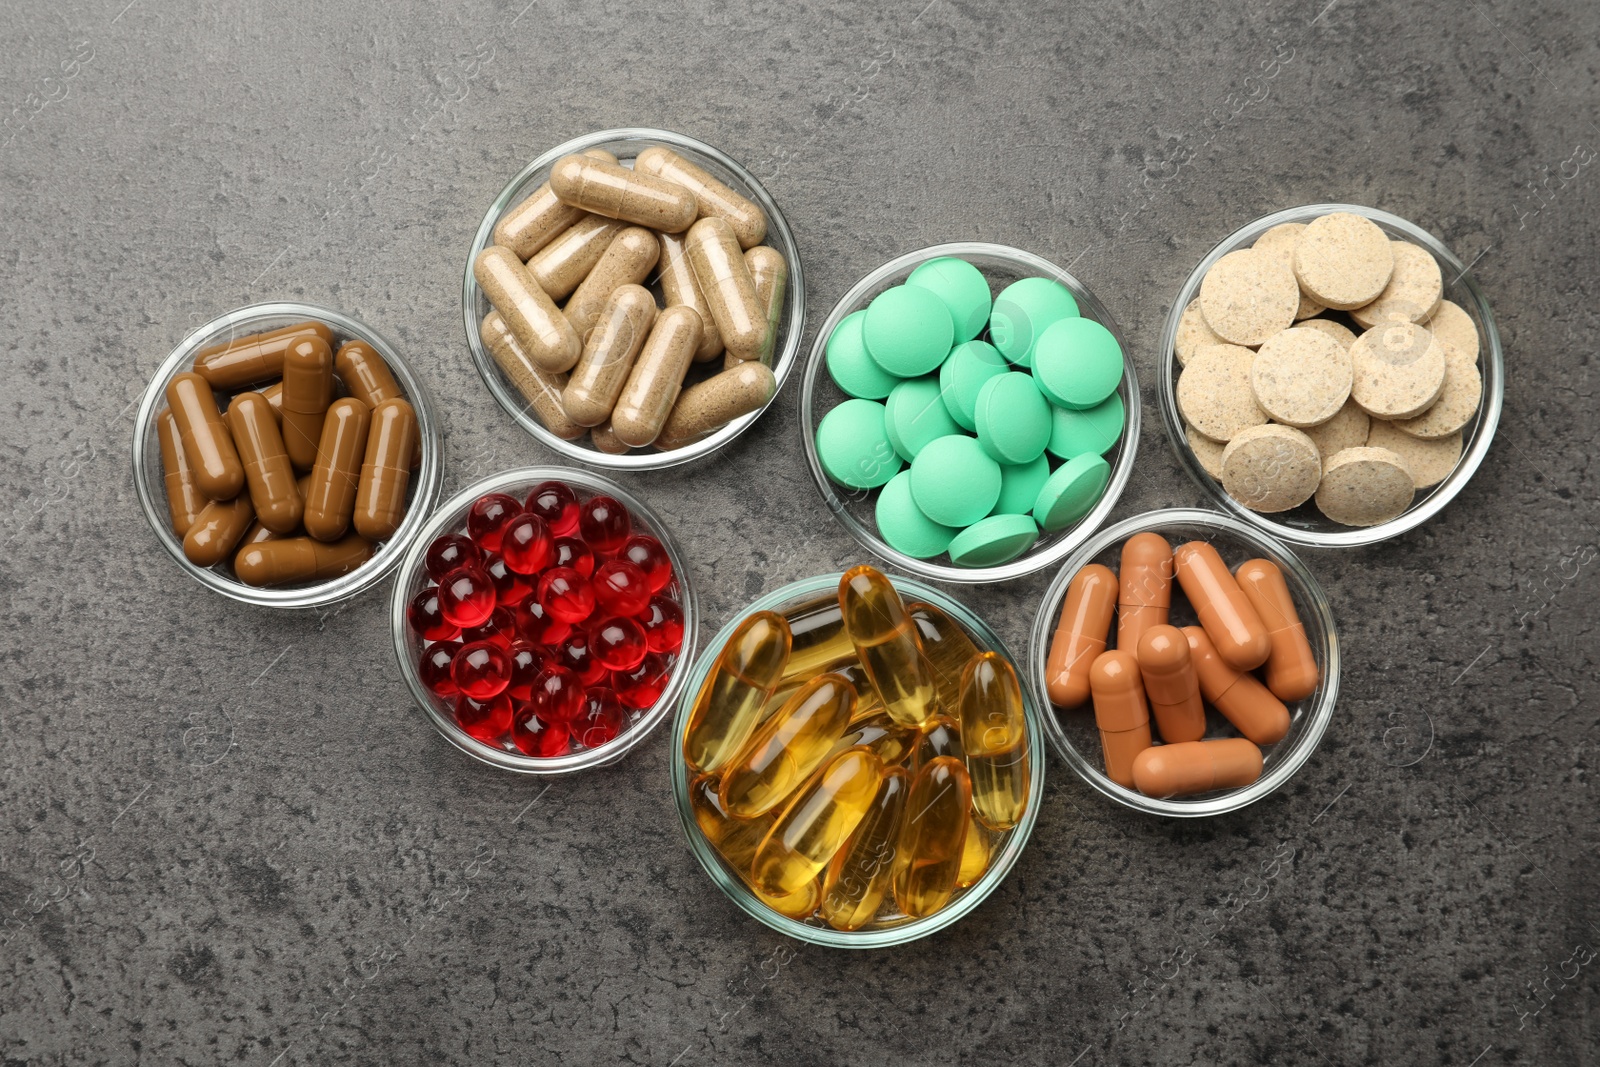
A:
x: 730, y: 291
x: 206, y: 441
x: 364, y: 373
x: 274, y: 397
x: 185, y: 501
x: 331, y: 496
x: 307, y: 392
x: 217, y: 529
x: 299, y: 559
x: 628, y: 260
x: 258, y: 534
x: 608, y: 355
x: 708, y: 406
x: 770, y: 273
x: 712, y: 197
x: 678, y: 286
x: 267, y: 472
x: 253, y: 359
x: 616, y: 192
x: 535, y: 321
x: 533, y: 223
x: 539, y: 387
x: 385, y: 470
x: 605, y: 439
x: 657, y: 376
x: 1191, y: 767
x: 560, y: 266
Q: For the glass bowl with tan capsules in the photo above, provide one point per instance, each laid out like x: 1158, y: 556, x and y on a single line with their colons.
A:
x: 578, y: 285
x: 1364, y: 405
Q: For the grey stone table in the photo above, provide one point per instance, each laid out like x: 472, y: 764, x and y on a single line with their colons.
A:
x: 226, y: 835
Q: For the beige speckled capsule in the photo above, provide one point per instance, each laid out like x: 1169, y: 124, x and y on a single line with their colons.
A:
x: 606, y: 440
x: 679, y: 286
x: 657, y: 377
x: 560, y: 266
x: 628, y: 260
x: 539, y: 387
x: 705, y: 408
x: 608, y: 355
x: 538, y: 325
x: 770, y: 272
x: 535, y: 222
x: 712, y: 198
x: 730, y: 291
x: 616, y: 192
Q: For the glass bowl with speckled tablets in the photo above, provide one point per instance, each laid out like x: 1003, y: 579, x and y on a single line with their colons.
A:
x: 607, y: 725
x: 625, y: 145
x: 1305, y: 525
x: 801, y: 600
x: 855, y: 508
x: 148, y: 477
x: 1072, y: 731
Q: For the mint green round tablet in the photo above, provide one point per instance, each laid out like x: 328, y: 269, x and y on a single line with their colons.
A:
x: 915, y: 414
x: 1096, y: 429
x: 962, y: 288
x: 1020, y: 484
x: 954, y: 481
x: 854, y: 447
x: 1013, y: 418
x: 1077, y: 363
x: 852, y: 369
x: 963, y: 373
x: 1071, y: 492
x: 908, y: 331
x: 1023, y: 311
x: 997, y: 539
x: 903, y: 525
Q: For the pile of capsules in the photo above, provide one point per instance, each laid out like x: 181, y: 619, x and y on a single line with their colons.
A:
x: 1247, y: 621
x: 278, y: 482
x: 607, y: 362
x: 549, y: 623
x: 857, y: 760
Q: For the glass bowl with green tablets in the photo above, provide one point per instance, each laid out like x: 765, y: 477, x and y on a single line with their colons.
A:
x: 970, y: 412
x: 578, y: 257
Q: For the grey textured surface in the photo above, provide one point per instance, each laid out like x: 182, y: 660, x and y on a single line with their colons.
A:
x: 227, y: 837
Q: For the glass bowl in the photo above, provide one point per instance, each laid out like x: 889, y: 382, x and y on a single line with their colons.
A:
x: 626, y: 144
x: 1306, y: 525
x: 150, y: 484
x: 413, y: 576
x: 814, y: 931
x: 1072, y: 731
x: 1001, y: 265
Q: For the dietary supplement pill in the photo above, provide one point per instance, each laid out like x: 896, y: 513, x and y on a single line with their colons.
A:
x: 184, y: 499
x: 1191, y: 767
x: 616, y: 192
x: 886, y: 640
x: 560, y: 266
x: 1144, y: 594
x: 946, y: 647
x: 330, y: 499
x: 608, y: 355
x: 712, y: 197
x: 1242, y: 700
x: 385, y: 470
x: 1120, y: 712
x: 1291, y: 666
x: 256, y: 358
x: 678, y: 286
x: 267, y: 472
x: 205, y: 438
x: 818, y: 641
x: 784, y: 751
x: 1229, y: 620
x: 307, y: 392
x: 538, y: 325
x: 627, y: 260
x: 536, y: 221
x: 539, y: 387
x: 1171, y: 684
x: 994, y: 735
x: 1080, y: 635
x: 364, y: 373
x: 859, y: 876
x: 708, y: 406
x: 300, y: 559
x: 730, y: 700
x: 932, y: 841
x: 724, y: 278
x: 817, y: 822
x: 220, y: 526
x: 656, y: 379
x: 770, y: 272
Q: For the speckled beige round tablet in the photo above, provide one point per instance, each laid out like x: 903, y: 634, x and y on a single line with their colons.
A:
x: 1430, y: 462
x: 1457, y: 403
x: 1413, y: 292
x: 1343, y: 260
x: 1247, y: 296
x: 1280, y: 241
x: 1271, y: 468
x: 1347, y: 429
x: 1214, y: 392
x: 1206, y: 451
x: 1192, y: 333
x: 1336, y: 330
x: 1452, y: 325
x: 1301, y: 377
x: 1365, y: 486
x: 1398, y: 370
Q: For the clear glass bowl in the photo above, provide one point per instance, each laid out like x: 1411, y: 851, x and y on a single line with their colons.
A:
x: 1306, y: 525
x: 150, y: 484
x: 626, y: 144
x: 1001, y: 265
x: 413, y: 576
x: 815, y: 932
x: 1072, y: 732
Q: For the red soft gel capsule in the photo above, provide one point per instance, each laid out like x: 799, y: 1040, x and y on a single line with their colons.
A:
x: 604, y: 523
x: 433, y: 667
x: 527, y: 660
x: 535, y: 737
x: 641, y: 687
x: 466, y: 596
x: 500, y: 628
x: 449, y: 552
x: 427, y: 620
x: 538, y: 625
x: 662, y: 620
x: 571, y: 552
x: 646, y: 553
x: 557, y: 695
x: 481, y: 669
x: 601, y: 719
x: 557, y: 505
x: 618, y: 644
x: 510, y: 588
x: 485, y: 720
x: 566, y: 594
x: 526, y: 544
x: 488, y: 518
x: 577, y: 655
x: 620, y: 588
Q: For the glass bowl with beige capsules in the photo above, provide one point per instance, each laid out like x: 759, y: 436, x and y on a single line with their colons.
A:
x: 1331, y: 374
x: 634, y: 299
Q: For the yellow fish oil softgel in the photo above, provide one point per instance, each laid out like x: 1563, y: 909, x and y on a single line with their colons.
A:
x: 933, y: 837
x: 729, y: 703
x: 788, y: 747
x: 886, y: 640
x: 817, y: 822
x: 858, y: 878
x: 994, y: 731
